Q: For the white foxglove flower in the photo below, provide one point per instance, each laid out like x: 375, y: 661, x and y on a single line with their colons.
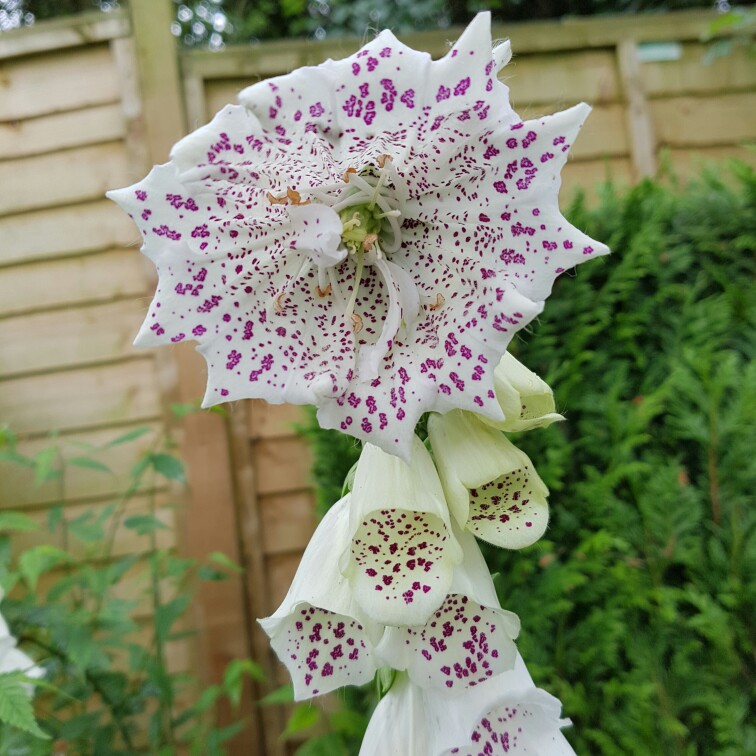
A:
x: 13, y: 659
x: 526, y: 400
x: 319, y: 632
x: 402, y: 551
x: 366, y: 236
x: 468, y: 640
x: 505, y: 715
x: 490, y: 485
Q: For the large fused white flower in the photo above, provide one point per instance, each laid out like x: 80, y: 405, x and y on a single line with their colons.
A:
x: 366, y: 235
x: 504, y: 715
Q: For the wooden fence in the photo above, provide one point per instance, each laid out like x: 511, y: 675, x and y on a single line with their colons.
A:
x: 90, y: 103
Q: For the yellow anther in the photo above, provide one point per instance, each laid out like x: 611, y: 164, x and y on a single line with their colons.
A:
x: 382, y: 160
x: 369, y: 242
x: 323, y: 292
x: 282, y: 200
x: 438, y: 304
x: 295, y: 197
x: 345, y: 177
x: 356, y: 323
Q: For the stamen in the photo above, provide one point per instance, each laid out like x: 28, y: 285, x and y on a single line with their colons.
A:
x: 382, y: 160
x: 356, y: 323
x: 347, y: 173
x: 323, y: 292
x: 439, y: 303
x: 370, y: 240
x: 277, y: 306
x: 295, y: 197
x: 282, y: 200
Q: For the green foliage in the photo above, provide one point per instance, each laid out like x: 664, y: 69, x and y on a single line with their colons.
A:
x: 637, y: 606
x: 107, y: 686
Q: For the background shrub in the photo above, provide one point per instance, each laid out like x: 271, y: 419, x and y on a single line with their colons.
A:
x: 637, y: 604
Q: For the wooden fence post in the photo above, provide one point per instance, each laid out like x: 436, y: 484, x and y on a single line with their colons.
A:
x: 637, y: 113
x: 209, y: 521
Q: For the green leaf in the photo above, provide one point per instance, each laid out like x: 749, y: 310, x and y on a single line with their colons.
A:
x: 206, y: 572
x: 282, y: 695
x: 349, y: 723
x: 144, y: 524
x: 224, y: 561
x: 167, y: 614
x: 324, y: 745
x: 90, y: 464
x: 168, y: 466
x: 302, y: 718
x: 15, y: 706
x: 44, y: 465
x: 132, y: 435
x: 18, y: 522
x: 186, y: 408
x: 54, y: 516
x: 39, y: 559
x: 233, y: 677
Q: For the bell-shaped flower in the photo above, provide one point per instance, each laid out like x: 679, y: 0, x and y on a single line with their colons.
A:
x: 526, y: 400
x: 504, y: 715
x: 490, y: 485
x: 402, y: 551
x: 467, y: 640
x: 12, y: 659
x: 319, y: 632
x: 366, y: 235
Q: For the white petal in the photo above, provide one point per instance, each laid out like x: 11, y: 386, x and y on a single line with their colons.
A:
x: 491, y: 485
x: 318, y: 233
x: 318, y: 632
x: 403, y: 552
x: 410, y: 721
x: 526, y: 400
x: 502, y: 54
x: 467, y: 640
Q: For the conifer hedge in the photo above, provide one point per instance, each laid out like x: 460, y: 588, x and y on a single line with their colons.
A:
x: 637, y: 605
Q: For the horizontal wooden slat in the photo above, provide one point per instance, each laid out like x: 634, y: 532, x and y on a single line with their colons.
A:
x: 67, y: 230
x: 566, y: 78
x: 57, y: 81
x: 78, y: 280
x: 687, y: 164
x: 125, y: 540
x: 102, y: 123
x: 93, y: 397
x: 288, y: 521
x: 704, y: 121
x: 569, y: 33
x: 20, y: 491
x: 589, y: 175
x: 87, y: 28
x: 273, y: 420
x: 50, y: 340
x: 66, y: 177
x: 282, y: 465
x: 691, y: 75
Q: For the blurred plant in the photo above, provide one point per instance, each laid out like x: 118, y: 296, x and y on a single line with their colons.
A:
x: 639, y: 599
x: 70, y: 598
x: 735, y: 27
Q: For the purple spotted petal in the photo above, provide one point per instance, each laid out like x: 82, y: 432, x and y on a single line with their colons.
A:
x: 249, y: 230
x: 491, y: 486
x: 504, y: 715
x: 318, y: 632
x: 466, y: 641
x: 402, y: 554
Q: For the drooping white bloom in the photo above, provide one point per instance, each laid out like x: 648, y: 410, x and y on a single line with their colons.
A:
x: 504, y: 715
x: 467, y: 640
x: 402, y: 551
x: 366, y: 236
x: 490, y: 485
x: 526, y: 400
x: 319, y: 632
x: 12, y: 659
